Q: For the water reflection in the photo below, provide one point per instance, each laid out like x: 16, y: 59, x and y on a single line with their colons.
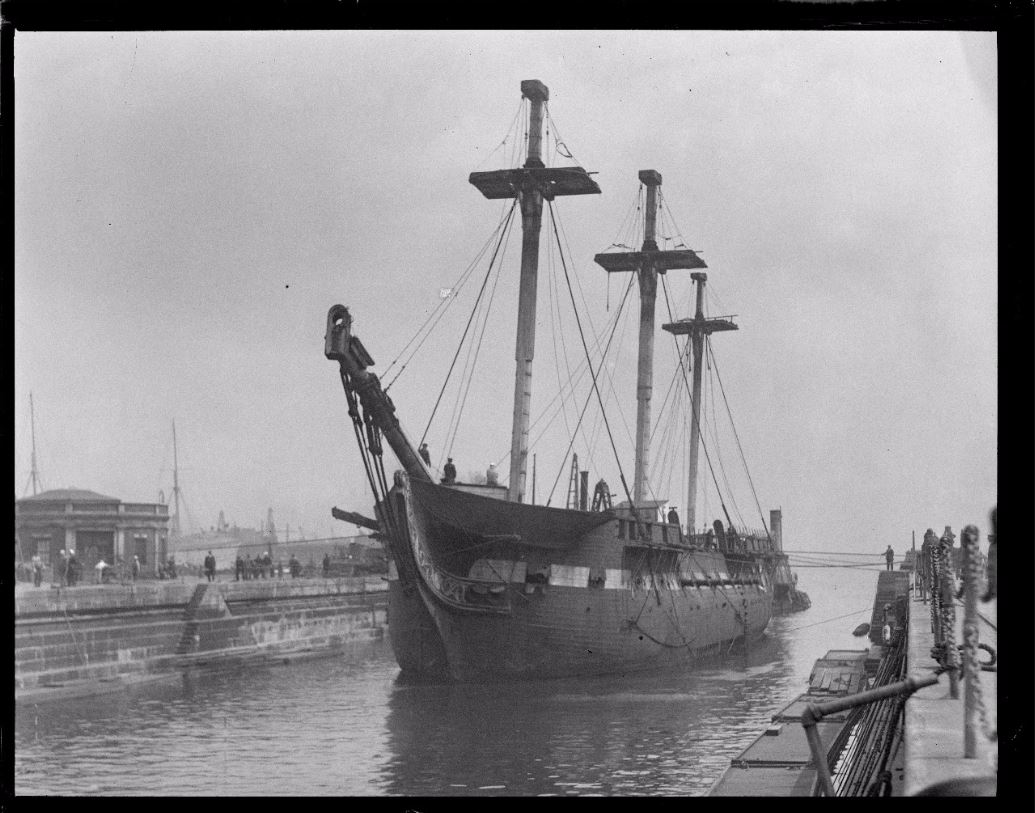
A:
x: 667, y: 733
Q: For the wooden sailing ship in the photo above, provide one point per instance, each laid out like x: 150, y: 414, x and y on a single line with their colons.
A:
x: 484, y: 585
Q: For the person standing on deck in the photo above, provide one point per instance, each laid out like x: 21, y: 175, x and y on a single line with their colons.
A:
x: 425, y: 455
x: 37, y: 570
x: 673, y: 519
x: 210, y: 567
x: 449, y: 470
x: 889, y: 557
x: 326, y: 565
x: 135, y: 569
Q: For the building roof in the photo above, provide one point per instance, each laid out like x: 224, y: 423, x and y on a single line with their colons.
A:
x: 69, y: 495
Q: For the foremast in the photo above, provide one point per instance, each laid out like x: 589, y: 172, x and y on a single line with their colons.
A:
x: 531, y: 184
x: 697, y: 328
x: 647, y: 264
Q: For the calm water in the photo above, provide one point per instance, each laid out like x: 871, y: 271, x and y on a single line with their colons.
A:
x: 348, y: 726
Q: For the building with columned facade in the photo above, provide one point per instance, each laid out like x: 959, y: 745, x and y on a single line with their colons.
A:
x: 92, y: 525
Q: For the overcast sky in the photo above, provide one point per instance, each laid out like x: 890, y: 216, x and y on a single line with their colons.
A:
x: 189, y: 205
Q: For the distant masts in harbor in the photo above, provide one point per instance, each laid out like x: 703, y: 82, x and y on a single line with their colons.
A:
x: 34, y: 475
x: 175, y: 524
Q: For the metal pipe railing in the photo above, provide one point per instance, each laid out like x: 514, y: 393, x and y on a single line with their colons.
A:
x: 814, y: 712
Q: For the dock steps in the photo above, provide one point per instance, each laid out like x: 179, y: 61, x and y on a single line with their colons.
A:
x: 188, y: 638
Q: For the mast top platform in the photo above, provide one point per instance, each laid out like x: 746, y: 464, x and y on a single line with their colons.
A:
x: 649, y: 256
x: 550, y: 182
x: 661, y: 260
x: 681, y: 327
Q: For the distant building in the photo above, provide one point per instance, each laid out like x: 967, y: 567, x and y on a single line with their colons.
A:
x: 92, y: 525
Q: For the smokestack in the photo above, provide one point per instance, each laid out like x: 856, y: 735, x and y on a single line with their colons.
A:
x: 776, y: 527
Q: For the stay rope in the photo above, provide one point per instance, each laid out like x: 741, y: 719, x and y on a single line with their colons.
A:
x: 736, y: 435
x: 467, y: 327
x: 585, y: 349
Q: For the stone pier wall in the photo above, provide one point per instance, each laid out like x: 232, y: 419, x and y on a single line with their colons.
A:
x: 109, y: 631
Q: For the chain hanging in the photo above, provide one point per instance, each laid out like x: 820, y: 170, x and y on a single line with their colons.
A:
x: 972, y: 670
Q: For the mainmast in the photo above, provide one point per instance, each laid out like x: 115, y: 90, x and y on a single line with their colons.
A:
x: 699, y: 327
x: 647, y: 263
x: 175, y: 531
x: 531, y: 184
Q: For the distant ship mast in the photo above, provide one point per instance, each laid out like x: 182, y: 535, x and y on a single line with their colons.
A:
x: 698, y: 328
x: 647, y: 264
x: 176, y: 486
x: 34, y: 475
x: 531, y: 184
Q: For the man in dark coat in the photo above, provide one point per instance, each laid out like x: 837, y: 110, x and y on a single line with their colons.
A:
x: 889, y: 557
x: 449, y: 470
x: 72, y: 569
x: 210, y: 567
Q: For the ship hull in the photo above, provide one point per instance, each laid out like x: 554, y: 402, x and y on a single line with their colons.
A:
x: 554, y: 607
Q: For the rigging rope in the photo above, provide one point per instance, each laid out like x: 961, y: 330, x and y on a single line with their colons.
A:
x: 589, y: 395
x: 468, y: 373
x: 718, y: 448
x: 596, y: 389
x: 686, y: 384
x: 467, y: 327
x: 443, y: 305
x: 722, y: 389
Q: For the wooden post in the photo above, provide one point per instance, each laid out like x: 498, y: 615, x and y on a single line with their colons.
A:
x: 648, y: 281
x: 697, y: 340
x: 531, y: 222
